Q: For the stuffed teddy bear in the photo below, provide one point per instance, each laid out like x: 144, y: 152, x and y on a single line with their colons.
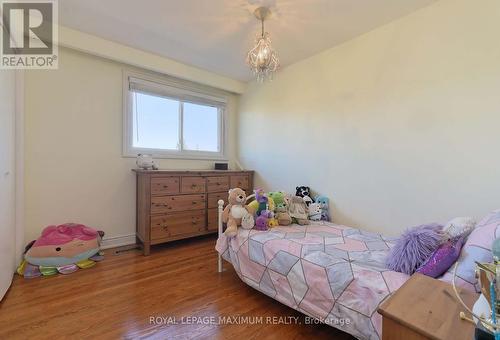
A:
x: 281, y: 212
x: 235, y: 211
x: 305, y: 193
x: 283, y: 216
x: 324, y: 203
x: 314, y: 212
x: 297, y: 210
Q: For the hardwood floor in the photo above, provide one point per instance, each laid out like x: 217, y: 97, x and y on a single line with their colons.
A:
x: 117, y: 297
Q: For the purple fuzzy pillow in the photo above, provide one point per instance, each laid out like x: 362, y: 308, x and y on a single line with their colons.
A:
x: 414, y: 247
x: 442, y: 259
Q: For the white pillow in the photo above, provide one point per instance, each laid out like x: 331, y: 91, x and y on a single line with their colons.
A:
x: 459, y: 226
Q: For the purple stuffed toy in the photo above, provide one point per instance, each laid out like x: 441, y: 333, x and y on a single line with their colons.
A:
x: 261, y: 223
x: 261, y: 197
x: 414, y: 247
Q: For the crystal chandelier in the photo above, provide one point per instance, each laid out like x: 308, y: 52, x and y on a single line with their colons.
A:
x: 262, y: 59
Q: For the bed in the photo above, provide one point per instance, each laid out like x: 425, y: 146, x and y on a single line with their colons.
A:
x: 336, y: 273
x: 331, y: 272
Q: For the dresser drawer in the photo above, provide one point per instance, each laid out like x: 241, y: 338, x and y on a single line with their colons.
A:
x: 212, y: 219
x: 164, y: 185
x: 178, y: 204
x: 213, y: 198
x: 215, y: 184
x: 175, y: 224
x: 192, y: 185
x: 165, y: 204
x: 240, y: 182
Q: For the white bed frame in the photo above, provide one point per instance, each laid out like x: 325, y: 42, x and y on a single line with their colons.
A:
x: 219, y: 222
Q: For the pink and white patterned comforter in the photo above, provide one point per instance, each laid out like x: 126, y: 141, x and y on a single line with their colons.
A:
x: 331, y: 272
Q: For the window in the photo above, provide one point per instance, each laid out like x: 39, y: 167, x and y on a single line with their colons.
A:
x: 172, y: 120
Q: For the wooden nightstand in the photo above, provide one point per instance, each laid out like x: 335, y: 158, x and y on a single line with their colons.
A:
x: 425, y: 308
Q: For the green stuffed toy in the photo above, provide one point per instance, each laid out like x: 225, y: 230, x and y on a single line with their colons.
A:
x: 281, y: 207
x: 278, y: 198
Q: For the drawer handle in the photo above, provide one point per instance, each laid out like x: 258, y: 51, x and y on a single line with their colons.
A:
x: 193, y: 186
x: 194, y: 202
x: 165, y: 186
x: 218, y: 183
x: 164, y: 226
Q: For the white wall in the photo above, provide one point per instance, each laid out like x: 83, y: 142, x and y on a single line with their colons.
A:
x: 7, y: 179
x: 398, y: 127
x: 94, y: 45
x: 73, y: 147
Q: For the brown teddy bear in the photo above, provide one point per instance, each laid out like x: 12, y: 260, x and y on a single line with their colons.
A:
x: 235, y: 211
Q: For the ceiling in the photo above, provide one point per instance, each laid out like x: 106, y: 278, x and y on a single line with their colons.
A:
x: 216, y: 34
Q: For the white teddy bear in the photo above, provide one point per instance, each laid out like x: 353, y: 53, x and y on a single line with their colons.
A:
x: 314, y: 211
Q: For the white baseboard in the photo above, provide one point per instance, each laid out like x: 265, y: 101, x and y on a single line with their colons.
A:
x: 117, y: 241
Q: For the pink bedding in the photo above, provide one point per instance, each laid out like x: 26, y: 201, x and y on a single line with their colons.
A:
x: 332, y: 272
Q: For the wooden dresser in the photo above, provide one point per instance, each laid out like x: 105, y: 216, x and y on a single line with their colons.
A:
x: 173, y: 205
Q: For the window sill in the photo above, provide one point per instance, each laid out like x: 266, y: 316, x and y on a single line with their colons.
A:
x: 198, y: 157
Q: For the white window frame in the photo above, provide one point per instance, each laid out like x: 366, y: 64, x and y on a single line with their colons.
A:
x: 177, y: 90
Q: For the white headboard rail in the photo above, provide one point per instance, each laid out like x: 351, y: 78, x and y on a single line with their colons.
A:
x: 219, y: 222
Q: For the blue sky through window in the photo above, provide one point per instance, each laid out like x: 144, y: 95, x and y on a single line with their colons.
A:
x: 200, y: 127
x: 156, y: 124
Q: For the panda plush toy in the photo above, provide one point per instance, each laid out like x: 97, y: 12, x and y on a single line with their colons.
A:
x: 305, y: 193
